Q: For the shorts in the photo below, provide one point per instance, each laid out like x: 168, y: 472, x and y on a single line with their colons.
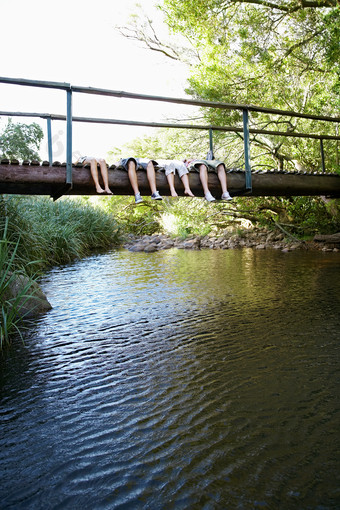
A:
x: 140, y: 163
x: 171, y: 166
x: 87, y: 159
x: 210, y: 164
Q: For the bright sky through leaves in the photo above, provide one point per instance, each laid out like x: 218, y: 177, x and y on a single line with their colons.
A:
x: 74, y: 41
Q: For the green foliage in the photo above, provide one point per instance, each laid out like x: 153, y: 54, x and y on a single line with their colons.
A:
x: 10, y: 318
x: 284, y: 57
x: 52, y: 233
x: 164, y: 144
x: 176, y: 217
x: 183, y: 217
x: 140, y: 219
x: 38, y: 233
x: 305, y: 216
x: 21, y: 141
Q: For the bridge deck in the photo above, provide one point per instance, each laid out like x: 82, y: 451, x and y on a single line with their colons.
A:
x: 44, y: 179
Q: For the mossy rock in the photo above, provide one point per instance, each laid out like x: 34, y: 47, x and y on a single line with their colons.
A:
x: 32, y: 303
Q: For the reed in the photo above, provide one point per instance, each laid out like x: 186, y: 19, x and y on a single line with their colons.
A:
x: 10, y: 312
x: 37, y: 233
x: 52, y: 233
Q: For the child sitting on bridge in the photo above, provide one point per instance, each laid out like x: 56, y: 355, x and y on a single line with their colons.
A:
x: 171, y: 167
x: 203, y: 166
x: 93, y: 162
x: 131, y: 165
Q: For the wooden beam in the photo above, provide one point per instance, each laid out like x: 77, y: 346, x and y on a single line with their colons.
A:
x: 36, y: 179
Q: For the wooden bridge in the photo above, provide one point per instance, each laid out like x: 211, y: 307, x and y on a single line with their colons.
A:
x: 33, y: 178
x: 57, y: 179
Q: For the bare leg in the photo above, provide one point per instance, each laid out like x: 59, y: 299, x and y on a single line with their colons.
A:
x: 171, y: 181
x: 132, y: 173
x: 222, y: 177
x: 94, y: 173
x: 204, y: 178
x: 104, y: 172
x: 150, y: 172
x: 187, y: 190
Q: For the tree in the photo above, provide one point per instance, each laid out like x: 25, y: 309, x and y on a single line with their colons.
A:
x: 278, y: 54
x: 21, y: 141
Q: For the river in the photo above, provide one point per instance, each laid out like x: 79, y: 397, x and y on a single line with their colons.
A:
x: 177, y: 380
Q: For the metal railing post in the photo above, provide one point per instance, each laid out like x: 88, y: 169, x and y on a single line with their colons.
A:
x: 322, y: 156
x: 247, y: 149
x: 49, y: 140
x: 69, y: 138
x: 211, y: 146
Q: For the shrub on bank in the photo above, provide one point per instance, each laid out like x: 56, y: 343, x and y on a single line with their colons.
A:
x: 10, y: 306
x: 37, y: 233
x: 51, y: 233
x: 185, y: 216
x: 176, y: 217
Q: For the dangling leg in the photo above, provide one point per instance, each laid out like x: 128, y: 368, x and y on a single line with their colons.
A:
x: 171, y: 181
x: 132, y: 173
x: 94, y: 173
x: 222, y: 176
x: 104, y: 172
x: 204, y: 180
x: 187, y: 190
x: 223, y: 180
x: 151, y: 174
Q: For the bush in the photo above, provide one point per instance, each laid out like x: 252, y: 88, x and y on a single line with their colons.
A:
x: 10, y: 307
x: 37, y: 233
x: 56, y: 232
x: 176, y: 217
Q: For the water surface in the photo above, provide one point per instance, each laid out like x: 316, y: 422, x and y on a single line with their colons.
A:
x: 177, y: 380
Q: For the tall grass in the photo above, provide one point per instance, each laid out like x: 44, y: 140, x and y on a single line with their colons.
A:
x: 37, y: 233
x: 10, y: 306
x: 52, y: 233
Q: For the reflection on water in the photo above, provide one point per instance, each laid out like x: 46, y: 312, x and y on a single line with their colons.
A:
x: 177, y: 380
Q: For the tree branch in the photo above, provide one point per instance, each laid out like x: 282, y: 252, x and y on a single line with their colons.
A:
x: 292, y: 7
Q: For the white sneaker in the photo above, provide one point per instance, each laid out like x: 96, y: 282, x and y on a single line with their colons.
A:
x: 156, y: 196
x: 138, y: 198
x: 209, y: 197
x: 226, y: 196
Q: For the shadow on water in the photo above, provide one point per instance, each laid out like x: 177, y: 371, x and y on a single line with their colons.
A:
x: 179, y: 379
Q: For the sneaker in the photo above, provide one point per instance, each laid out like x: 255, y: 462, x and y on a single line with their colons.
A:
x: 156, y: 196
x: 138, y: 198
x: 209, y: 197
x: 226, y: 196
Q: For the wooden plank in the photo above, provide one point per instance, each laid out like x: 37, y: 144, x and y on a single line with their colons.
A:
x: 48, y: 180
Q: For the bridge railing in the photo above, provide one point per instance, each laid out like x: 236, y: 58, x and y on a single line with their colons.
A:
x: 245, y: 109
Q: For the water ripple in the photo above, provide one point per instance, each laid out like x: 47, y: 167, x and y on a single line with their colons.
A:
x: 158, y: 382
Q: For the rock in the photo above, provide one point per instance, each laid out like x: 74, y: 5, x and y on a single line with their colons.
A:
x: 166, y: 245
x: 149, y: 248
x: 33, y: 305
x: 136, y: 247
x: 270, y: 237
x: 332, y: 238
x: 296, y: 246
x: 259, y: 240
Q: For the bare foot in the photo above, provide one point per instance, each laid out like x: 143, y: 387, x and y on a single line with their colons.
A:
x: 174, y: 194
x: 100, y: 191
x: 108, y: 191
x: 188, y: 192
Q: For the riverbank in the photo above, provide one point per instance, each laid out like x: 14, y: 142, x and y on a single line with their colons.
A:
x: 259, y: 239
